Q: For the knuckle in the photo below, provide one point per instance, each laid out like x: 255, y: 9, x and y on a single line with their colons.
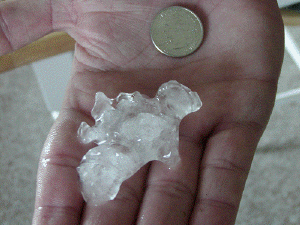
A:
x: 226, y: 165
x: 174, y: 189
x: 218, y: 205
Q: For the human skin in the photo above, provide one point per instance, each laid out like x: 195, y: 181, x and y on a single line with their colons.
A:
x: 235, y: 72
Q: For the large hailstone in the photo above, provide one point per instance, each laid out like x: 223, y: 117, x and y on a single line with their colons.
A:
x: 130, y: 131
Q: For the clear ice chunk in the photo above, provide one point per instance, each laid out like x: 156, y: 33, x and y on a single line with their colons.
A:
x: 130, y: 131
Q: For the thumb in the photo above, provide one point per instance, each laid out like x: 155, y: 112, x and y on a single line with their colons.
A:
x: 22, y: 22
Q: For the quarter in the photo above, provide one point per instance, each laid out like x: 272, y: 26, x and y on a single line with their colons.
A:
x: 176, y: 31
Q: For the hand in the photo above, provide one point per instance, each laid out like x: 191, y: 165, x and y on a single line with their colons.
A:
x: 235, y: 72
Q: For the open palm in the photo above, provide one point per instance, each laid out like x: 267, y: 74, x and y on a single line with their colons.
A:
x: 235, y: 72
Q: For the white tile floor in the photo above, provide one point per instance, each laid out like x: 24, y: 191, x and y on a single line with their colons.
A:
x: 272, y: 194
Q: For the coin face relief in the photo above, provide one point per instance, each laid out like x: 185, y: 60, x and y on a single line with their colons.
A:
x: 176, y: 31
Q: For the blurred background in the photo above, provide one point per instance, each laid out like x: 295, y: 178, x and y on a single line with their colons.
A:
x: 32, y: 82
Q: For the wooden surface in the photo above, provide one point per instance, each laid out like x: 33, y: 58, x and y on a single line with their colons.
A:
x: 50, y: 45
x: 290, y: 18
x: 60, y: 42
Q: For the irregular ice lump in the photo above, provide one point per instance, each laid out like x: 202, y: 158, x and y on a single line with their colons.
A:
x: 130, y: 131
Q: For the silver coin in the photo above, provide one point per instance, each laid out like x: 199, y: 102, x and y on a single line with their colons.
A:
x: 176, y: 31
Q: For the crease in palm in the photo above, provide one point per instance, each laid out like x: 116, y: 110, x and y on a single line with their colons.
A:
x: 115, y: 37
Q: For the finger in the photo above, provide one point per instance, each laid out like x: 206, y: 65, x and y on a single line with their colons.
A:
x: 160, y: 204
x: 58, y: 195
x: 169, y: 195
x: 22, y: 22
x: 124, y: 208
x: 223, y: 173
